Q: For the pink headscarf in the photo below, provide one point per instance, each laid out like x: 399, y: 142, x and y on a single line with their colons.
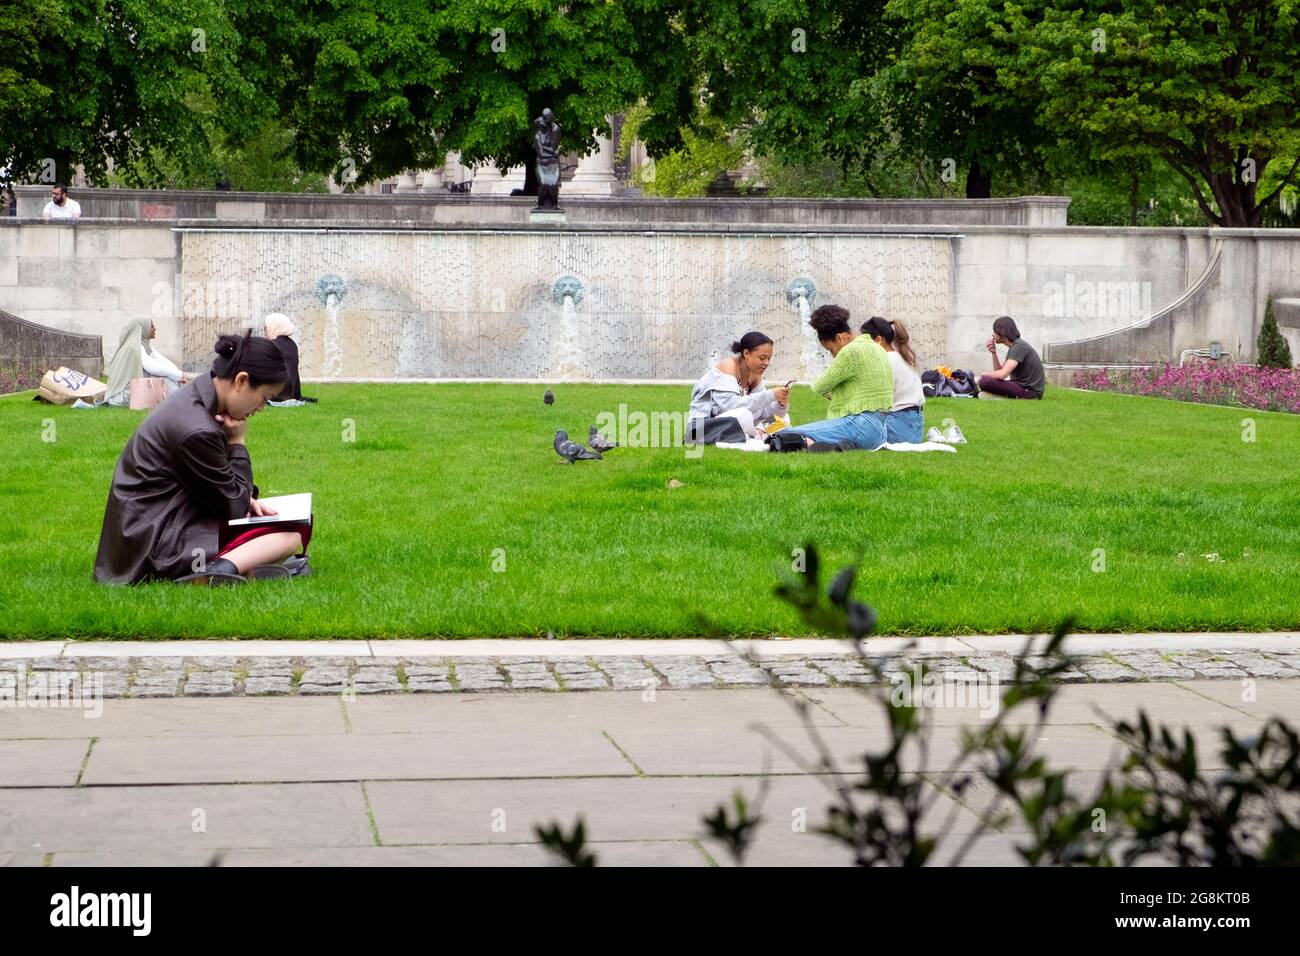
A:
x: 277, y: 324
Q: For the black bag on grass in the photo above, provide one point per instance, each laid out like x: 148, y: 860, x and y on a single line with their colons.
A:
x: 785, y: 440
x: 710, y: 431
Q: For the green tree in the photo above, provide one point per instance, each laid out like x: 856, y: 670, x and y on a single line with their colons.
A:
x: 378, y: 86
x: 94, y: 80
x: 793, y: 75
x: 707, y: 149
x: 944, y: 100
x: 812, y: 81
x: 1271, y: 350
x: 1209, y: 87
x: 25, y: 26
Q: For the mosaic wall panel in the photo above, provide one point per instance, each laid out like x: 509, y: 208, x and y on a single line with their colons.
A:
x: 481, y: 305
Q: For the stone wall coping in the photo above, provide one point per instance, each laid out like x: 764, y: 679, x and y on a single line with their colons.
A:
x: 436, y: 197
x: 921, y: 230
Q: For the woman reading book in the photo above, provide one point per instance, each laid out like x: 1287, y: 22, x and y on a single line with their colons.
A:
x: 185, y: 474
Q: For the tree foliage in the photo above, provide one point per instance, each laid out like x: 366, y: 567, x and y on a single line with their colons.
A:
x: 1271, y: 348
x: 1209, y: 87
x: 94, y: 80
x: 379, y: 86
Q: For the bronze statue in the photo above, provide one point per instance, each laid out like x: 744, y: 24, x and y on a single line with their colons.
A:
x: 546, y: 141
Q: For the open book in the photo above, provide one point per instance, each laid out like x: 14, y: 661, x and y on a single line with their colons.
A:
x: 296, y: 508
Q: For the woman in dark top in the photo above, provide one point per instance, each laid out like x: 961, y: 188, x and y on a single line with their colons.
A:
x: 185, y: 473
x: 279, y: 330
x: 1020, y: 374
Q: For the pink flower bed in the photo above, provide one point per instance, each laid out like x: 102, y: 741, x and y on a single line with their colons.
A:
x: 17, y: 379
x: 1245, y: 386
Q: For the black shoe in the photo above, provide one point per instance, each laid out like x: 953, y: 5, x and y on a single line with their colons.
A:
x: 309, y: 401
x: 219, y: 573
x: 269, y: 572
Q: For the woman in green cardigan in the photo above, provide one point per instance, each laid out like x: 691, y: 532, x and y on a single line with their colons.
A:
x: 859, y: 384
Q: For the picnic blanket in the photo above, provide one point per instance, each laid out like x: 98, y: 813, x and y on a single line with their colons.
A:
x: 757, y: 444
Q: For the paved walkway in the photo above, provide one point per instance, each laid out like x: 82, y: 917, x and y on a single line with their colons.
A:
x: 145, y: 669
x: 462, y: 778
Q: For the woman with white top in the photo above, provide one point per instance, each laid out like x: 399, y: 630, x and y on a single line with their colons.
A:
x: 136, y: 358
x: 731, y: 399
x: 903, y: 423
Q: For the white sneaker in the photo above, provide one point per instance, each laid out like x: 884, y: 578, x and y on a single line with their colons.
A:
x: 953, y: 436
x: 935, y: 435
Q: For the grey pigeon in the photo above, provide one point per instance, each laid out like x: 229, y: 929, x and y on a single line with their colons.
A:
x: 599, y: 442
x: 571, y: 451
x: 549, y: 397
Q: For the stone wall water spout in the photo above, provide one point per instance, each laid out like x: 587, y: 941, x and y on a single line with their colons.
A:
x: 330, y: 289
x: 800, y: 293
x: 567, y: 358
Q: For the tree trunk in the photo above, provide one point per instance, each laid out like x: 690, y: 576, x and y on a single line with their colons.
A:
x: 979, y: 182
x: 1236, y: 201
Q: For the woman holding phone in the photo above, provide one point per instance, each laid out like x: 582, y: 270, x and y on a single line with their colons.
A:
x: 730, y: 402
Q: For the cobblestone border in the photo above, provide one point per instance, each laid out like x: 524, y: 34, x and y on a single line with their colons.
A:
x: 152, y: 677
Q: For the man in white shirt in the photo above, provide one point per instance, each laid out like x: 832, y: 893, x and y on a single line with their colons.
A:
x: 60, y: 206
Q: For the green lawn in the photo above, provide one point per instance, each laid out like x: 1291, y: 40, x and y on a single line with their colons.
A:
x: 999, y: 537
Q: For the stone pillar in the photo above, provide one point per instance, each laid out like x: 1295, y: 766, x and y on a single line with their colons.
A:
x: 406, y: 182
x: 595, y: 173
x: 431, y: 180
x: 490, y: 182
x: 454, y: 171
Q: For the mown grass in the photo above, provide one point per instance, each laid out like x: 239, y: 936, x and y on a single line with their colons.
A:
x: 1000, y: 537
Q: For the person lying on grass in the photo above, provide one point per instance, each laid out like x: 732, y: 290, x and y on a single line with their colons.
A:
x: 904, y: 421
x: 1020, y: 375
x: 859, y: 384
x: 731, y: 403
x: 185, y: 473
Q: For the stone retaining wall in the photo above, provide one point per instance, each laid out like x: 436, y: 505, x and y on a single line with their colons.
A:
x: 469, y: 301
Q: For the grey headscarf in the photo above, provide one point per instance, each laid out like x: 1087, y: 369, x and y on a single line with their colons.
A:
x: 127, y: 363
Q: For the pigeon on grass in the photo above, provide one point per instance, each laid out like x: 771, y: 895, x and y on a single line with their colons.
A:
x: 571, y: 451
x: 599, y: 442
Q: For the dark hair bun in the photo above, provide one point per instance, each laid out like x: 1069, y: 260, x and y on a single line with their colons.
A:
x: 259, y: 357
x: 750, y: 341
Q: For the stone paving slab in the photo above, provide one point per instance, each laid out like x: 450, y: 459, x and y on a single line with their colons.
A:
x: 41, y: 763
x: 526, y: 751
x: 177, y: 716
x: 184, y: 818
x: 632, y: 809
x: 684, y: 711
x: 432, y: 770
x: 1082, y: 704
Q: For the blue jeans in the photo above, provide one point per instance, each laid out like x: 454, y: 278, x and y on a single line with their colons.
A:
x: 904, y: 426
x: 865, y: 429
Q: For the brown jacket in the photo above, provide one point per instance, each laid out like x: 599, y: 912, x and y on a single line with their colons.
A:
x: 175, y: 484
